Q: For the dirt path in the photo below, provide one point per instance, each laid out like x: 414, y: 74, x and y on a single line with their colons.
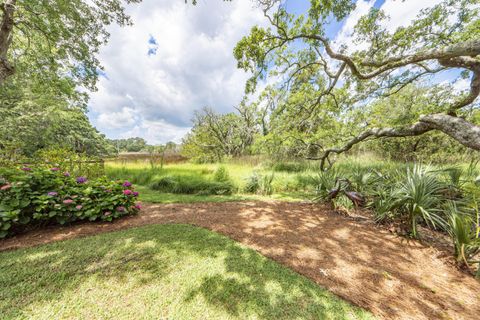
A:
x: 393, y: 277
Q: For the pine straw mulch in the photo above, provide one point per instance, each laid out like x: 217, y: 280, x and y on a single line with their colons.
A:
x: 390, y: 275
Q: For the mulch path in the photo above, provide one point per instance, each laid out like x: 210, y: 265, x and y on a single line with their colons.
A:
x: 393, y: 277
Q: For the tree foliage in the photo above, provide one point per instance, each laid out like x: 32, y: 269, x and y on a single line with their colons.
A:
x: 56, y: 38
x: 36, y: 116
x: 129, y: 145
x: 215, y: 136
x: 322, y: 79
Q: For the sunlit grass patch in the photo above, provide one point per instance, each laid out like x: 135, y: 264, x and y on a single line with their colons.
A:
x: 162, y: 271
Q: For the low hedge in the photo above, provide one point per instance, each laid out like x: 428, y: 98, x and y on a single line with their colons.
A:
x: 31, y: 197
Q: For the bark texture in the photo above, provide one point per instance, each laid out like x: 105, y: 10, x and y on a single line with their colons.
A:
x: 6, y: 35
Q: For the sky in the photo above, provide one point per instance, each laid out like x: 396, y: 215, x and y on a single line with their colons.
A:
x: 178, y: 58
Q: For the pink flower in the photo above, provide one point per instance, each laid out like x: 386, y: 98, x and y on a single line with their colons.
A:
x: 127, y: 184
x: 135, y: 193
x: 79, y: 207
x: 66, y: 174
x: 127, y: 192
x: 138, y: 206
x: 52, y: 193
x: 6, y: 187
x: 121, y: 209
x: 68, y: 201
x: 54, y: 169
x: 26, y: 169
x: 107, y: 213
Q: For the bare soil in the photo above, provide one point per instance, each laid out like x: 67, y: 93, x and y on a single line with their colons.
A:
x: 393, y: 277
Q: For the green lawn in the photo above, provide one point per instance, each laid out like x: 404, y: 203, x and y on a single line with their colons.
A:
x: 158, y: 272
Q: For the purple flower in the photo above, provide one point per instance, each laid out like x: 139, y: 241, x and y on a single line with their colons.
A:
x: 108, y: 190
x: 121, y: 209
x: 52, y: 193
x: 79, y: 207
x: 55, y: 169
x: 66, y: 174
x: 135, y: 193
x: 68, y: 201
x: 127, y: 192
x: 127, y: 184
x: 26, y: 169
x: 81, y: 180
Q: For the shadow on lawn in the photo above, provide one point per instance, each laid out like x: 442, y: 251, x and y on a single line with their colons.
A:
x: 249, y: 282
x: 391, y: 276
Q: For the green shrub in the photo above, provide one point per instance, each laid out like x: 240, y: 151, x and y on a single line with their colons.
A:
x: 30, y: 197
x: 260, y: 184
x: 266, y: 184
x: 325, y: 182
x: 304, y: 181
x: 77, y: 164
x: 419, y: 197
x: 221, y: 175
x: 252, y: 184
x: 191, y: 185
x: 290, y: 166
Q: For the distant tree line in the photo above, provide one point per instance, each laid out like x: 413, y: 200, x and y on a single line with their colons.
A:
x: 138, y: 144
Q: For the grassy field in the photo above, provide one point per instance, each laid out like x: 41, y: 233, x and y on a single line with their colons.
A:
x: 197, y: 179
x: 158, y: 272
x: 189, y: 182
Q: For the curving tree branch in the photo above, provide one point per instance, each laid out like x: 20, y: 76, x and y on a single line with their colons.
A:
x: 416, y: 129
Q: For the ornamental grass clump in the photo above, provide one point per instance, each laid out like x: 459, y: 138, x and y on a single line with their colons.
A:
x: 34, y: 197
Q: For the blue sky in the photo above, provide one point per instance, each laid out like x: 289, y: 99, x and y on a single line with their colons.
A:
x: 178, y: 58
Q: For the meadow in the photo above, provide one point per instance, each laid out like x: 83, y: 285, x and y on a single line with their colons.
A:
x: 190, y: 182
x: 246, y: 178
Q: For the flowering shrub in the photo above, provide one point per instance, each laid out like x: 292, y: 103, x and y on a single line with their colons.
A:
x: 34, y: 196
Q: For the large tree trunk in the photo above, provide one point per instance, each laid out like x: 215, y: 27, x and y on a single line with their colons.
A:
x: 459, y: 129
x: 6, y: 35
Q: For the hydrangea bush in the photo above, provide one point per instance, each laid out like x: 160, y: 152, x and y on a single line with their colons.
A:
x: 34, y: 196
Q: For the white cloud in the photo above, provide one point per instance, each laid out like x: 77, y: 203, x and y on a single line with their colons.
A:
x: 403, y: 12
x: 157, y: 132
x: 193, y: 66
x: 461, y: 84
x: 124, y: 118
x: 344, y: 36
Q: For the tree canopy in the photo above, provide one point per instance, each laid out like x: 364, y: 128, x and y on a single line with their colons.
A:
x: 214, y: 135
x: 323, y: 79
x: 57, y: 38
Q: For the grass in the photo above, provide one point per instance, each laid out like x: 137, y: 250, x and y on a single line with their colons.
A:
x: 195, y: 182
x: 158, y: 272
x: 190, y: 182
x: 153, y: 196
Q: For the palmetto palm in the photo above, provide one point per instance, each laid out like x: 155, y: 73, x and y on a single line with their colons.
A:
x: 419, y: 197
